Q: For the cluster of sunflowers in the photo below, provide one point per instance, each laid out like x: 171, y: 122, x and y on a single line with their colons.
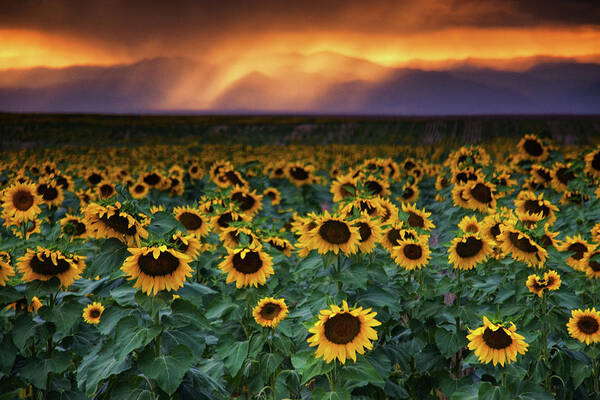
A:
x: 392, y: 229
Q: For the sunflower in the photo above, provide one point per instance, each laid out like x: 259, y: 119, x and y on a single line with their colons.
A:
x: 153, y: 179
x: 468, y: 251
x: 299, y: 174
x: 535, y: 284
x: 464, y: 176
x: 342, y: 332
x: 528, y: 204
x: 548, y: 239
x: 562, y: 174
x: 6, y: 270
x: 273, y: 194
x: 31, y: 227
x: 550, y: 281
x: 44, y: 264
x: 386, y: 211
x: 139, y: 190
x: 112, y: 222
x: 370, y: 233
x: 193, y: 220
x: 595, y: 231
x: 187, y: 244
x: 51, y: 193
x: 232, y: 237
x: 392, y: 236
x: 585, y: 325
x: 195, y: 171
x: 343, y: 187
x: 459, y: 196
x: 73, y: 226
x: 410, y: 193
x: 334, y: 233
x: 377, y: 187
x: 491, y: 227
x: 93, y: 312
x: 591, y: 264
x: 157, y: 268
x: 230, y: 177
x: 105, y: 190
x: 532, y: 148
x: 592, y: 163
x: 248, y: 202
x: 281, y: 244
x: 94, y: 177
x: 541, y: 174
x: 481, y: 195
x: 21, y: 202
x: 224, y: 218
x: 417, y: 218
x: 496, y: 343
x: 578, y: 247
x: 469, y: 224
x: 269, y: 312
x: 249, y: 266
x: 522, y: 247
x: 411, y: 254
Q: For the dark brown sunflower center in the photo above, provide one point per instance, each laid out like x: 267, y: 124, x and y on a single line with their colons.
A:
x: 244, y: 201
x: 78, y: 228
x: 250, y: 264
x: 522, y: 244
x: 225, y: 219
x: 190, y: 221
x: 278, y: 246
x: 588, y: 325
x: 545, y: 241
x: 165, y: 264
x: 413, y: 251
x: 415, y: 220
x: 299, y: 173
x: 596, y: 161
x: 408, y: 165
x: 408, y: 193
x: 271, y: 195
x: 469, y: 248
x: 497, y: 340
x: 564, y: 175
x: 233, y: 178
x: 94, y: 178
x: 194, y: 169
x: 342, y: 328
x: 106, y: 190
x: 119, y: 224
x: 365, y: 231
x: 482, y: 193
x: 95, y: 313
x: 22, y: 200
x: 278, y: 172
x: 139, y: 188
x: 62, y: 182
x: 538, y: 286
x: 534, y: 207
x: 374, y: 187
x: 335, y: 232
x: 594, y: 265
x: 544, y: 174
x: 393, y: 236
x: 533, y: 147
x: 472, y: 228
x: 579, y: 249
x: 311, y: 225
x: 48, y: 192
x: 152, y: 179
x: 495, y: 230
x: 180, y: 244
x: 269, y: 311
x: 46, y: 267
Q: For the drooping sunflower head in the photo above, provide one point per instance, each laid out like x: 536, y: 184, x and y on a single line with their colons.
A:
x: 247, y: 267
x: 411, y: 254
x: 113, y: 222
x: 188, y: 244
x: 193, y: 220
x: 334, y: 233
x: 280, y: 244
x: 496, y: 343
x: 370, y: 233
x: 269, y: 312
x: 585, y: 325
x: 6, y: 270
x: 418, y: 219
x: 44, y: 264
x: 235, y: 236
x: 386, y: 211
x: 342, y: 332
x: 468, y: 251
x: 249, y: 203
x: 532, y: 148
x: 157, y: 268
x: 21, y: 202
x: 222, y: 219
x: 273, y: 194
x: 93, y: 312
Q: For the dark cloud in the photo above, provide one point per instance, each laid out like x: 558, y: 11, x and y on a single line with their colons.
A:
x: 132, y: 23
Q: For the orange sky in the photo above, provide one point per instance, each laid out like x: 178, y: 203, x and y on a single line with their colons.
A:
x: 25, y: 48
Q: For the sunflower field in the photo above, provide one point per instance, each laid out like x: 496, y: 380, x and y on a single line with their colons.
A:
x: 196, y: 271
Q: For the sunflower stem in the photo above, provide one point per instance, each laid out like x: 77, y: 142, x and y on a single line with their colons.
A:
x: 545, y: 353
x: 458, y: 291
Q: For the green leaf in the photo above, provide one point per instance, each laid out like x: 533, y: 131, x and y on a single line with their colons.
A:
x: 124, y: 295
x: 65, y: 317
x: 36, y: 371
x: 448, y: 342
x: 489, y: 392
x: 163, y: 223
x: 129, y: 336
x: 97, y: 366
x: 167, y: 369
x: 233, y: 355
x: 9, y: 295
x: 110, y: 318
x: 269, y: 363
x: 195, y: 292
x: 362, y: 373
x: 321, y: 394
x: 23, y: 330
x: 308, y: 366
x: 188, y: 336
x: 8, y: 354
x: 110, y: 257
